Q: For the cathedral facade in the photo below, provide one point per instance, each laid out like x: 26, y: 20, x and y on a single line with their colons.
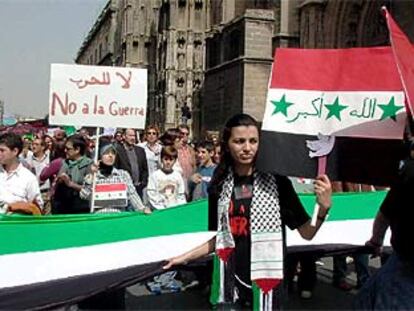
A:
x: 214, y: 56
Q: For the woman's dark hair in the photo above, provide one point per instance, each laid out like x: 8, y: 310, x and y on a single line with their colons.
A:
x: 226, y: 161
x: 169, y: 137
x: 58, y: 151
x: 78, y: 141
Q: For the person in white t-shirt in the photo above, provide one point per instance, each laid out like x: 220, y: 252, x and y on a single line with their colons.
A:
x: 18, y: 186
x: 166, y: 186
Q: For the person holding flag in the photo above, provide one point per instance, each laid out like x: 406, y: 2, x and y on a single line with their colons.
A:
x: 248, y: 209
x: 114, y: 191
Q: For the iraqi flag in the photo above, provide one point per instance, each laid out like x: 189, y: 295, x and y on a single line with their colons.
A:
x: 352, y: 98
x: 110, y: 195
x: 403, y: 52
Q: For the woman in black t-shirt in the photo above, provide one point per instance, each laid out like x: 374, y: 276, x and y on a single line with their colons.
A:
x: 248, y: 208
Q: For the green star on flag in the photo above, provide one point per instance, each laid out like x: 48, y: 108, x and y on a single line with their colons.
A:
x: 335, y: 109
x: 390, y: 110
x: 281, y: 106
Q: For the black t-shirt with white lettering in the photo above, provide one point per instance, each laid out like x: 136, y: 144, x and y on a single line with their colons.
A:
x: 292, y: 212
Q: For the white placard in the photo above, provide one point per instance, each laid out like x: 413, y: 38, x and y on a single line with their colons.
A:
x: 98, y: 96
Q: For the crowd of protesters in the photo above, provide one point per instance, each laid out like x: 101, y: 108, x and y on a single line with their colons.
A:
x: 160, y: 171
x: 55, y: 174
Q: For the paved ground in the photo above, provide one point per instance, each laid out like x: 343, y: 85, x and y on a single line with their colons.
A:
x: 325, y: 296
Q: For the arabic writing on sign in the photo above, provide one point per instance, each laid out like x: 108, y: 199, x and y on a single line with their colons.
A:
x: 338, y: 109
x: 104, y: 80
x: 67, y: 106
x: 317, y: 110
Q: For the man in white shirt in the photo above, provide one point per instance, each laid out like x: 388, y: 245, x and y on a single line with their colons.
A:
x: 17, y: 183
x: 38, y: 161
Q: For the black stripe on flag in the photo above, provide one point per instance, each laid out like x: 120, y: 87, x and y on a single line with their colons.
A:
x: 70, y: 290
x: 360, y: 160
x: 111, y: 203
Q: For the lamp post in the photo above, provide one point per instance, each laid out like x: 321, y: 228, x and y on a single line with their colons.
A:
x: 1, y: 112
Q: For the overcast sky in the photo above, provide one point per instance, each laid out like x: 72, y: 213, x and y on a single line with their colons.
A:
x: 34, y: 34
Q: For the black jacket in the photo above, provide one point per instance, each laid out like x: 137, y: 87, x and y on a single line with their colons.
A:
x: 122, y: 162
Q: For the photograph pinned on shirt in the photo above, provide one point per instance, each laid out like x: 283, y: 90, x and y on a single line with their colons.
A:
x: 243, y: 192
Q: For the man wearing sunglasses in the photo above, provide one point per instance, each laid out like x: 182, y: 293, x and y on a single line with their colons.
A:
x: 152, y: 148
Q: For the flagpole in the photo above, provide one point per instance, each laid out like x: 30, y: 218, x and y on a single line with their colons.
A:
x: 321, y: 170
x: 95, y: 160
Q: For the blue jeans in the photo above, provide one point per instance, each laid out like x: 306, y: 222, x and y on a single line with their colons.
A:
x: 361, y: 268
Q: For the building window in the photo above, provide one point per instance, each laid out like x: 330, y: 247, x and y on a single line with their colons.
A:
x: 234, y: 46
x: 213, y: 52
x: 198, y: 5
x: 181, y: 42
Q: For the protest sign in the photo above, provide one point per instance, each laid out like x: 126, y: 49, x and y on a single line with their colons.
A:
x: 97, y: 96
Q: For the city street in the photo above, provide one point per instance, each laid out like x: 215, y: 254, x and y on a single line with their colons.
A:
x: 325, y: 296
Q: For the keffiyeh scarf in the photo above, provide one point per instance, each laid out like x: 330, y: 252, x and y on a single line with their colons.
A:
x: 266, y: 269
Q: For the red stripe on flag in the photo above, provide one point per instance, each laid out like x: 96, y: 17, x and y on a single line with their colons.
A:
x: 110, y: 187
x: 355, y: 69
x: 403, y: 52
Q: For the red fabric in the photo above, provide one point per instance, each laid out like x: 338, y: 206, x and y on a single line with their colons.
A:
x: 267, y: 284
x: 403, y: 52
x: 356, y: 69
x: 111, y: 187
x: 51, y: 169
x: 224, y: 253
x: 322, y: 165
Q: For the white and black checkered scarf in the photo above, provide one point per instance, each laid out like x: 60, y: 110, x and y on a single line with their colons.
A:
x: 266, y: 268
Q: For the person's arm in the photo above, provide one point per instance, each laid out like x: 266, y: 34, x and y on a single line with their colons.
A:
x: 323, y: 191
x: 198, y: 252
x: 86, y: 191
x: 33, y: 193
x: 51, y: 170
x: 133, y: 196
x: 379, y: 228
x: 143, y: 170
x: 181, y: 190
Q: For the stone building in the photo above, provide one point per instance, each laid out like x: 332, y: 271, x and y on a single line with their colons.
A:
x: 165, y: 36
x: 215, y: 55
x: 180, y: 59
x: 239, y: 53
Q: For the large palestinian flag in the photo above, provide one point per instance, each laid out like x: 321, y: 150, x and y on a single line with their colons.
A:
x: 52, y: 260
x: 49, y: 261
x: 351, y: 95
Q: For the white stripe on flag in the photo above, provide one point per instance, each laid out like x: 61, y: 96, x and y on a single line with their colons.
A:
x: 35, y: 267
x: 352, y: 232
x: 355, y: 114
x: 110, y: 195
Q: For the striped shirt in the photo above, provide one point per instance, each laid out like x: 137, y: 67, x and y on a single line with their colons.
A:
x: 117, y: 176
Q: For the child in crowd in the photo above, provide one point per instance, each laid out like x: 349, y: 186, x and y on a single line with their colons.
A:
x: 166, y: 186
x: 165, y: 189
x: 200, y: 180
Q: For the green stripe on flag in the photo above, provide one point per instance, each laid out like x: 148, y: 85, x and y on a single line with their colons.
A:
x: 27, y: 233
x: 349, y: 205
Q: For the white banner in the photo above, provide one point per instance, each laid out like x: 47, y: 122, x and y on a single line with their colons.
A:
x: 97, y: 96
